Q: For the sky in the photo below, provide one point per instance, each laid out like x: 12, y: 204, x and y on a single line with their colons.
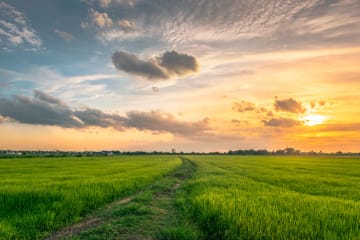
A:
x: 203, y: 75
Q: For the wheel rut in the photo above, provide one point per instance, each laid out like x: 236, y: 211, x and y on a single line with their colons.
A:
x: 138, y: 216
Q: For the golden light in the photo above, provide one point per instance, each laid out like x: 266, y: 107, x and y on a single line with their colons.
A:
x: 314, y: 119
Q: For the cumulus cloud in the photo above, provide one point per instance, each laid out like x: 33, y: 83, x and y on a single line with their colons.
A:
x: 169, y: 64
x: 281, y: 122
x: 43, y: 109
x: 64, y: 35
x: 288, y: 105
x: 100, y: 19
x: 15, y: 30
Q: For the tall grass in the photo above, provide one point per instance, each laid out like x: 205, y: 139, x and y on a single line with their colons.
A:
x: 40, y: 195
x: 266, y: 197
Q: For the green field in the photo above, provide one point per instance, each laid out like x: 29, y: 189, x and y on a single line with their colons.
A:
x: 38, y: 195
x: 266, y: 197
x: 196, y: 197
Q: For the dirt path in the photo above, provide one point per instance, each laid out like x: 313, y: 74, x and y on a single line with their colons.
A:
x: 140, y: 216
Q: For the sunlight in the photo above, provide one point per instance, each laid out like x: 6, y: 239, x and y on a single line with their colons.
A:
x: 312, y: 120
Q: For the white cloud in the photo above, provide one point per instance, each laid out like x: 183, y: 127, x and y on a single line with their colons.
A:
x: 100, y: 19
x: 64, y: 35
x: 180, y: 22
x: 106, y: 3
x: 339, y: 19
x: 15, y: 31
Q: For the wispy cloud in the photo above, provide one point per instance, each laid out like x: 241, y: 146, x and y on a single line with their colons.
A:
x: 180, y: 22
x: 333, y: 20
x: 72, y: 88
x: 15, y: 30
x: 64, y: 35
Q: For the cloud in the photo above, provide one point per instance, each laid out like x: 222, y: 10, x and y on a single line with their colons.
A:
x: 178, y: 63
x: 281, y: 122
x: 244, y: 106
x: 170, y: 64
x: 164, y: 122
x: 95, y: 117
x: 2, y: 119
x: 288, y: 105
x: 106, y: 3
x: 130, y: 63
x: 43, y: 109
x: 126, y: 25
x: 333, y: 19
x: 179, y: 21
x: 100, y: 19
x: 15, y: 30
x: 155, y: 89
x: 38, y: 111
x: 47, y: 98
x: 64, y: 35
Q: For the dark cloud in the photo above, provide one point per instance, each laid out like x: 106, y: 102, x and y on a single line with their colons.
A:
x: 130, y: 63
x: 47, y: 98
x: 43, y: 109
x: 168, y: 65
x: 288, y: 105
x: 178, y: 63
x: 95, y: 117
x: 163, y: 122
x: 37, y: 111
x: 281, y: 122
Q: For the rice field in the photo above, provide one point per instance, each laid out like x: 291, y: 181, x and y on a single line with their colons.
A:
x: 274, y: 197
x: 222, y: 197
x: 40, y: 195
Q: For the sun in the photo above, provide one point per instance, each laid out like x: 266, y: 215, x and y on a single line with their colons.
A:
x: 314, y: 119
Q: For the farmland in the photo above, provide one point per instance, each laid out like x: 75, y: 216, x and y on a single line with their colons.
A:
x: 189, y: 197
x: 39, y: 195
x: 274, y: 197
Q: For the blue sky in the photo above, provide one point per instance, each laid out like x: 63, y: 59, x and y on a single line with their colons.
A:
x: 216, y: 68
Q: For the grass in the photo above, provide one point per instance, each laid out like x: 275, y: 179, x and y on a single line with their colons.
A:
x: 205, y: 197
x: 271, y: 197
x: 40, y: 195
x: 151, y: 214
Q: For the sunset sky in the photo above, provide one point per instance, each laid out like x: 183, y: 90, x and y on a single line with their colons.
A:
x: 203, y: 75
